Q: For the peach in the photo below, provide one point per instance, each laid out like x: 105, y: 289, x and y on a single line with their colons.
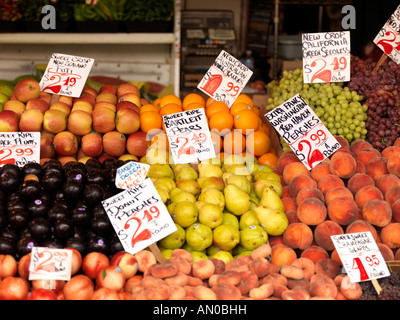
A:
x: 105, y: 294
x: 145, y: 259
x: 42, y: 294
x: 103, y: 119
x: 345, y: 145
x: 342, y: 210
x: 76, y: 261
x: 80, y: 122
x: 285, y: 191
x: 350, y: 290
x: 390, y: 235
x: 338, y: 192
x: 327, y: 267
x: 239, y: 264
x: 203, y: 269
x: 194, y: 281
x: 296, y: 294
x: 377, y: 167
x: 262, y: 251
x: 298, y: 236
x: 278, y: 290
x: 158, y: 293
x: 182, y: 253
x: 227, y: 292
x: 23, y: 266
x: 294, y: 169
x: 114, y: 143
x: 360, y: 144
x: 323, y: 286
x: 126, y: 262
x: 177, y: 293
x: 182, y: 264
x: 248, y: 281
x: 262, y: 292
x: 282, y: 254
x: 204, y: 293
x: 14, y: 288
x: 377, y: 212
x: 362, y: 226
x: 164, y: 270
x: 386, y: 181
x: 289, y: 203
x: 298, y: 283
x: 219, y: 265
x: 314, y: 253
x: 93, y: 263
x: 323, y: 233
x: 360, y: 167
x: 178, y: 280
x: 386, y: 252
x: 343, y: 165
x: 367, y: 154
x: 306, y: 193
x: 328, y: 182
x: 260, y: 267
x: 275, y: 278
x: 367, y: 193
x: 311, y: 211
x: 229, y: 277
x: 320, y: 170
x: 305, y: 264
x: 389, y: 151
x: 292, y: 272
x: 396, y: 210
x: 393, y: 164
x: 53, y: 285
x: 335, y: 256
x: 152, y: 282
x: 31, y: 121
x: 79, y: 287
x: 8, y: 266
x: 65, y: 143
x: 392, y: 194
x: 291, y: 215
x: 286, y: 158
x: 300, y: 182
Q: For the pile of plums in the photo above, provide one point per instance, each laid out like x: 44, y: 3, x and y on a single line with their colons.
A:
x: 57, y: 206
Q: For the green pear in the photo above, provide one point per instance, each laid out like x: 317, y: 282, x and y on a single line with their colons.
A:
x: 213, y: 249
x: 271, y: 199
x: 163, y: 193
x: 159, y: 170
x: 211, y: 182
x: 197, y: 255
x: 260, y: 184
x: 275, y: 222
x: 231, y: 159
x: 209, y: 170
x: 212, y: 195
x: 238, y: 180
x: 177, y: 195
x: 156, y: 156
x: 200, y: 203
x: 167, y: 253
x: 170, y: 207
x: 258, y: 167
x: 238, y: 250
x: 253, y: 236
x: 185, y: 213
x: 188, y: 185
x: 236, y: 200
x: 238, y: 169
x: 259, y: 174
x: 186, y: 173
x: 226, y: 237
x: 199, y: 236
x: 175, y: 239
x: 164, y: 182
x: 229, y: 218
x: 225, y: 256
x: 179, y: 166
x: 211, y: 215
x: 247, y: 219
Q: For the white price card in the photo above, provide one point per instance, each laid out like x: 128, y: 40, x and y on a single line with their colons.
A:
x: 66, y: 74
x: 326, y: 56
x: 189, y: 136
x: 131, y: 174
x: 19, y: 148
x: 139, y: 216
x: 388, y: 38
x: 360, y: 256
x: 225, y: 79
x: 50, y: 264
x: 303, y: 131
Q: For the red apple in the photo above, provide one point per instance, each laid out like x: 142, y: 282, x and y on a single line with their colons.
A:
x: 90, y: 90
x: 144, y: 101
x: 8, y: 266
x: 31, y: 121
x: 127, y: 104
x: 47, y: 149
x: 37, y: 103
x: 14, y: 105
x: 108, y: 88
x: 66, y: 99
x: 80, y: 122
x: 104, y: 156
x: 127, y: 121
x: 42, y: 294
x: 127, y: 88
x: 45, y: 96
x: 103, y: 119
x: 79, y: 287
x: 65, y: 159
x: 54, y: 121
x: 126, y: 262
x: 128, y: 157
x: 8, y: 121
x: 114, y: 143
x: 107, y: 97
x: 111, y: 277
x: 93, y: 263
x: 137, y: 144
x: 131, y: 97
x: 82, y: 105
x: 14, y: 288
x: 92, y: 144
x: 85, y: 97
x: 62, y: 106
x: 65, y: 143
x: 26, y: 89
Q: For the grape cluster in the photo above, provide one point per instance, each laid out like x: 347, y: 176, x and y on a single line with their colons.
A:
x: 339, y: 108
x: 381, y: 91
x: 390, y: 288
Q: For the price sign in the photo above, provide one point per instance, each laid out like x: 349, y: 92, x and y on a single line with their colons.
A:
x: 189, y: 136
x: 50, y: 264
x: 66, y: 75
x: 388, y: 38
x: 139, y: 216
x: 19, y: 148
x: 131, y: 174
x: 360, y: 256
x: 326, y: 57
x: 225, y: 79
x: 303, y: 131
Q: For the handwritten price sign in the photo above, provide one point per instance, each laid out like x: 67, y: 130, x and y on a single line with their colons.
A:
x: 303, y: 131
x: 66, y: 75
x: 131, y: 174
x: 19, y: 148
x: 225, y: 79
x: 139, y: 216
x: 326, y: 57
x: 361, y: 256
x: 388, y: 38
x: 50, y: 264
x: 189, y: 136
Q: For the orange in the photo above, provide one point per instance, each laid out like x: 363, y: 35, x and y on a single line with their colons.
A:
x: 193, y: 97
x: 148, y: 107
x: 160, y: 141
x: 193, y: 105
x: 170, y: 98
x: 239, y: 106
x: 150, y: 120
x: 268, y: 159
x: 221, y: 121
x: 266, y: 129
x: 216, y: 140
x: 215, y: 107
x: 209, y: 100
x: 156, y: 103
x: 258, y: 143
x: 170, y: 108
x: 244, y: 98
x: 246, y: 120
x: 234, y: 142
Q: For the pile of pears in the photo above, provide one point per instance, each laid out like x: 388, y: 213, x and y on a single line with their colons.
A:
x: 221, y: 209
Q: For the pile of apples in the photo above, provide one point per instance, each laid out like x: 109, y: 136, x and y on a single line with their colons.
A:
x: 95, y: 125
